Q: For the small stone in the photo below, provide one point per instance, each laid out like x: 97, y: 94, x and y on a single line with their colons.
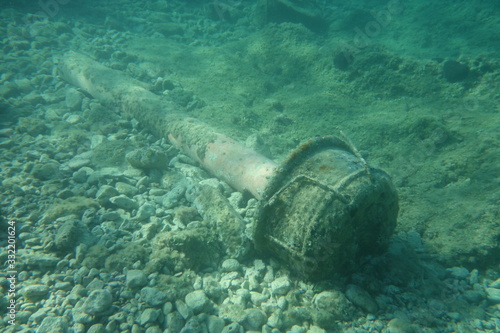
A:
x: 495, y: 284
x: 136, y: 279
x: 231, y: 265
x: 197, y: 301
x: 153, y: 296
x: 175, y: 322
x: 96, y: 328
x: 493, y: 295
x: 46, y: 171
x: 361, y: 298
x: 150, y: 158
x: 98, y: 302
x: 126, y: 189
x: 398, y: 325
x: 154, y: 329
x: 82, y: 174
x: 80, y: 161
x: 281, y: 286
x: 73, y: 119
x: 459, y: 273
x: 104, y: 193
x: 215, y: 324
x: 74, y: 99
x: 67, y: 236
x: 315, y: 329
x: 124, y: 202
x: 254, y: 320
x: 233, y: 328
x: 184, y: 310
x: 145, y: 212
x: 149, y: 316
x: 36, y: 292
x: 53, y: 325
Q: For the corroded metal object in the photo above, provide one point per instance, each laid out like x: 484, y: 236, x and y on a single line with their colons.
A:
x: 326, y: 208
x: 319, y: 212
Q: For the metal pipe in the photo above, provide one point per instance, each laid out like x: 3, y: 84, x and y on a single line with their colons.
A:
x: 223, y: 157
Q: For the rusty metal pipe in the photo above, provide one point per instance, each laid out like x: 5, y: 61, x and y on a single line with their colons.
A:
x: 223, y: 157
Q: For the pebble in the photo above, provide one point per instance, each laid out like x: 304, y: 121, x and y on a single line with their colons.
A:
x: 281, y: 286
x: 53, y: 324
x: 35, y: 292
x: 233, y: 328
x: 493, y: 295
x: 149, y: 316
x: 136, y: 279
x: 215, y: 324
x: 153, y: 296
x: 459, y: 273
x: 98, y: 302
x: 198, y: 301
x: 254, y: 320
x: 175, y: 321
x: 145, y: 212
x: 231, y: 265
x: 126, y: 189
x: 361, y: 298
x: 105, y: 193
x: 124, y: 202
x: 73, y: 119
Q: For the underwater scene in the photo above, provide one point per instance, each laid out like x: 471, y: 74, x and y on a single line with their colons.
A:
x: 230, y: 166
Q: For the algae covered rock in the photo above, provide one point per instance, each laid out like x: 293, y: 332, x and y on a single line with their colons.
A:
x: 149, y: 158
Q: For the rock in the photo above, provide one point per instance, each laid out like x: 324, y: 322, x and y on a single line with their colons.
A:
x: 315, y: 329
x: 73, y: 119
x: 172, y: 198
x: 104, y: 193
x: 153, y: 296
x: 126, y: 189
x: 124, y: 202
x: 36, y: 292
x: 145, y: 212
x: 254, y: 320
x: 136, y: 279
x: 231, y: 265
x: 215, y: 324
x: 334, y: 302
x: 82, y: 174
x: 67, y: 236
x: 174, y: 322
x: 150, y: 158
x: 46, y: 171
x: 80, y: 161
x: 493, y: 295
x: 96, y: 328
x: 361, y: 298
x: 149, y: 316
x: 184, y: 310
x: 459, y: 273
x: 74, y: 99
x: 233, y: 328
x: 98, y: 302
x: 197, y: 301
x: 495, y: 284
x: 53, y: 325
x: 154, y: 329
x: 281, y: 286
x: 398, y: 325
x: 40, y: 261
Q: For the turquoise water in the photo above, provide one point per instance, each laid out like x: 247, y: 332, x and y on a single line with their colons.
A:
x: 107, y: 222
